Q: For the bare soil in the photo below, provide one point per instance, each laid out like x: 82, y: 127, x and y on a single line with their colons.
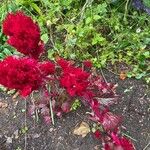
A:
x: 134, y: 105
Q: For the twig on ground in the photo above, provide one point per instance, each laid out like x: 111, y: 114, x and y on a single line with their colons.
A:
x: 103, y: 75
x: 51, y: 112
x: 25, y: 123
x: 146, y: 146
x: 113, y: 72
x: 51, y: 108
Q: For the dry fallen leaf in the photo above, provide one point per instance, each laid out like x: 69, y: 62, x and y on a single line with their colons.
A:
x: 3, y: 105
x: 123, y: 75
x: 83, y: 129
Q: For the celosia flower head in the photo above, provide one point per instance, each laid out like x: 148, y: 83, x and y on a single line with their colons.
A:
x: 74, y: 79
x: 23, y: 34
x: 47, y: 68
x: 21, y: 74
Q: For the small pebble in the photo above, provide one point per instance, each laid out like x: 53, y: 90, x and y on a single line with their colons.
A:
x: 51, y: 129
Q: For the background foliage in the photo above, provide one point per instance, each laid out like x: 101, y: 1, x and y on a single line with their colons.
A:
x: 105, y: 31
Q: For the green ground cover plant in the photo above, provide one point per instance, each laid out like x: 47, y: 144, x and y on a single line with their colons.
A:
x: 104, y: 31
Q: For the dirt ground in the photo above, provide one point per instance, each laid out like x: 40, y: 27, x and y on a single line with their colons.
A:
x: 134, y: 105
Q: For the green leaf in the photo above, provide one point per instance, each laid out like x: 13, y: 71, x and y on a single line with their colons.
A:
x: 7, y: 52
x: 2, y: 55
x: 146, y: 54
x: 96, y: 17
x: 129, y: 74
x: 88, y: 20
x: 66, y: 2
x: 146, y: 3
x: 36, y: 8
x: 45, y: 37
x: 140, y: 75
x: 24, y: 130
x: 98, y: 39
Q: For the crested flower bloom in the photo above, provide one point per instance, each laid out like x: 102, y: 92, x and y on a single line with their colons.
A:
x: 75, y: 80
x: 47, y: 68
x: 64, y: 64
x: 23, y: 34
x: 21, y: 74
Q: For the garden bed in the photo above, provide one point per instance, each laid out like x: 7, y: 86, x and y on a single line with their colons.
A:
x: 133, y: 105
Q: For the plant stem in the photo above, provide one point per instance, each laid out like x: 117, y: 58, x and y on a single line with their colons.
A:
x: 129, y: 137
x: 36, y: 111
x: 103, y: 75
x: 146, y: 146
x: 25, y: 123
x: 51, y: 112
x: 51, y: 107
x: 126, y: 11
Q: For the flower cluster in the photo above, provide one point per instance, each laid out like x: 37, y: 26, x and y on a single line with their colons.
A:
x: 59, y: 83
x: 23, y: 34
x: 74, y: 79
x: 24, y: 74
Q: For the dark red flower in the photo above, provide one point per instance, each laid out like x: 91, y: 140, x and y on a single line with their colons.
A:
x: 88, y: 63
x: 23, y: 34
x: 47, y: 68
x: 75, y: 80
x: 21, y: 74
x: 63, y: 63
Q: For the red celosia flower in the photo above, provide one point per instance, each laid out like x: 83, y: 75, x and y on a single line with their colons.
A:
x: 97, y: 134
x: 23, y: 34
x: 75, y: 80
x: 122, y: 142
x: 47, y: 68
x: 88, y: 63
x: 63, y: 63
x: 22, y: 74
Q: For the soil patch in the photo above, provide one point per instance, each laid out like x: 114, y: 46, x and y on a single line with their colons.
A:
x: 133, y: 106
